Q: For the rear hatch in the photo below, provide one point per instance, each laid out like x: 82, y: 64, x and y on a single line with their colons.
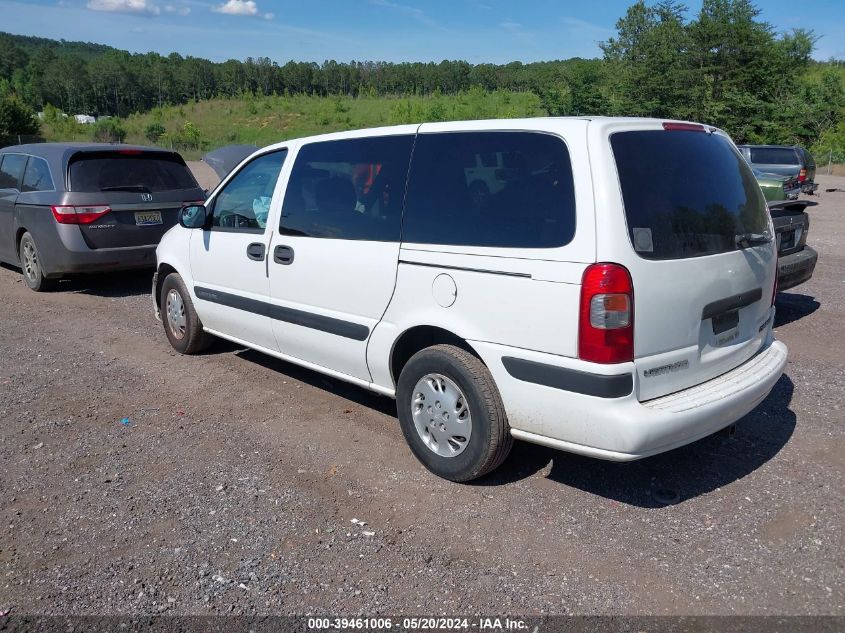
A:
x: 700, y: 252
x: 133, y: 195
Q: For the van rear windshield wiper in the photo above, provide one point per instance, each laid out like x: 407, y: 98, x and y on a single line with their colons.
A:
x: 141, y: 188
x: 746, y: 240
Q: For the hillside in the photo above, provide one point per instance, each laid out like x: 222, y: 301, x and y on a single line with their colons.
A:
x: 198, y: 126
x: 31, y: 44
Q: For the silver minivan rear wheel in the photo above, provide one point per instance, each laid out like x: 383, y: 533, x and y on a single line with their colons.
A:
x: 33, y: 272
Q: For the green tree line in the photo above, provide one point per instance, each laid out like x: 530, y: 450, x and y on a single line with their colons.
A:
x: 723, y: 65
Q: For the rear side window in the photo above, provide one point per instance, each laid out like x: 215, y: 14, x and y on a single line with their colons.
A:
x: 686, y: 193
x: 37, y: 176
x: 774, y: 156
x: 494, y: 189
x: 349, y: 189
x: 145, y: 172
x: 11, y: 170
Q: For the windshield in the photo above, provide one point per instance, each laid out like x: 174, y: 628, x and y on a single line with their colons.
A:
x: 686, y: 193
x: 116, y: 171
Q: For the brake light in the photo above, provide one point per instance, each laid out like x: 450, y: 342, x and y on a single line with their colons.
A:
x: 670, y: 126
x: 130, y: 152
x: 66, y: 214
x: 802, y: 175
x: 606, y: 318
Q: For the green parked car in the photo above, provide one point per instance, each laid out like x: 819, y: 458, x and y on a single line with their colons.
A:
x: 776, y: 188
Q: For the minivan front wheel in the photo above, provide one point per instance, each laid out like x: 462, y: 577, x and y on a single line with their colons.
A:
x: 33, y: 273
x: 451, y: 413
x: 182, y: 324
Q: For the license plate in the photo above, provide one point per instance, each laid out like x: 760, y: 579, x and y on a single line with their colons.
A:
x: 147, y: 218
x: 726, y: 327
x: 725, y: 322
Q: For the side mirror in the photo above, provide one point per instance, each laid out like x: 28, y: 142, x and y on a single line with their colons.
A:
x: 193, y: 216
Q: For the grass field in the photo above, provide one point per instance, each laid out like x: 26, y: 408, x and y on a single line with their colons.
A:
x: 200, y: 126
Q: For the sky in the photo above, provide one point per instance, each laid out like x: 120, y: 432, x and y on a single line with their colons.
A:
x: 478, y: 31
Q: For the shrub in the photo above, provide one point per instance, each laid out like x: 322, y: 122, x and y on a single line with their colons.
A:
x: 108, y: 131
x: 154, y: 131
x: 15, y: 119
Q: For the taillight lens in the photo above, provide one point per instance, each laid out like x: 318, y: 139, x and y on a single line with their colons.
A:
x: 802, y: 175
x: 67, y: 214
x: 606, y: 320
x: 673, y: 126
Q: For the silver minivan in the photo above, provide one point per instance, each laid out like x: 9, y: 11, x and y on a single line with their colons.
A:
x: 85, y: 208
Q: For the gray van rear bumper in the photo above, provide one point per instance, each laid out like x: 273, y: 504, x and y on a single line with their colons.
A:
x: 63, y: 262
x: 63, y: 250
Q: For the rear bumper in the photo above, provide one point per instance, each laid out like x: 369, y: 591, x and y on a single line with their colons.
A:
x: 64, y: 251
x: 796, y: 268
x: 809, y: 187
x: 64, y: 262
x: 624, y: 429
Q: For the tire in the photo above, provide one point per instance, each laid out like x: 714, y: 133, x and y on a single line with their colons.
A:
x: 30, y: 259
x: 185, y: 334
x: 434, y: 372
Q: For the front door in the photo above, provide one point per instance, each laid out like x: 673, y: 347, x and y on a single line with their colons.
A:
x: 229, y: 258
x: 334, y: 257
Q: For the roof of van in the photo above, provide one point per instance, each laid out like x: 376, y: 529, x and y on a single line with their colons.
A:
x: 474, y: 124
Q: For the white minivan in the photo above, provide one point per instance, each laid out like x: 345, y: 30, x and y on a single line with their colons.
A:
x: 612, y: 296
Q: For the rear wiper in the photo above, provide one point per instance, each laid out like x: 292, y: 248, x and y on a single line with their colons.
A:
x: 141, y: 188
x: 746, y: 240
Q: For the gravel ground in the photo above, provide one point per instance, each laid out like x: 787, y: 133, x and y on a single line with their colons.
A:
x: 138, y: 481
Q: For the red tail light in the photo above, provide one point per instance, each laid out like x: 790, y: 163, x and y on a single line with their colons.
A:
x: 66, y: 214
x: 670, y: 126
x: 606, y: 319
x: 802, y: 175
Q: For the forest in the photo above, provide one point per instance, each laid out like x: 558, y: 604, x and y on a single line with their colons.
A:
x: 723, y: 65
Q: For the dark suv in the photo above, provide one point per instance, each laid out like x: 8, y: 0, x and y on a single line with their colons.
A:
x: 784, y: 160
x: 71, y: 208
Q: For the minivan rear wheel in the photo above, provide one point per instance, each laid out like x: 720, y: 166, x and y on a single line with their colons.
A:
x: 182, y: 324
x: 33, y: 273
x: 451, y: 413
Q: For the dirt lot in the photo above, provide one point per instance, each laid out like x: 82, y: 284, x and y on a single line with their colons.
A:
x: 231, y: 486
